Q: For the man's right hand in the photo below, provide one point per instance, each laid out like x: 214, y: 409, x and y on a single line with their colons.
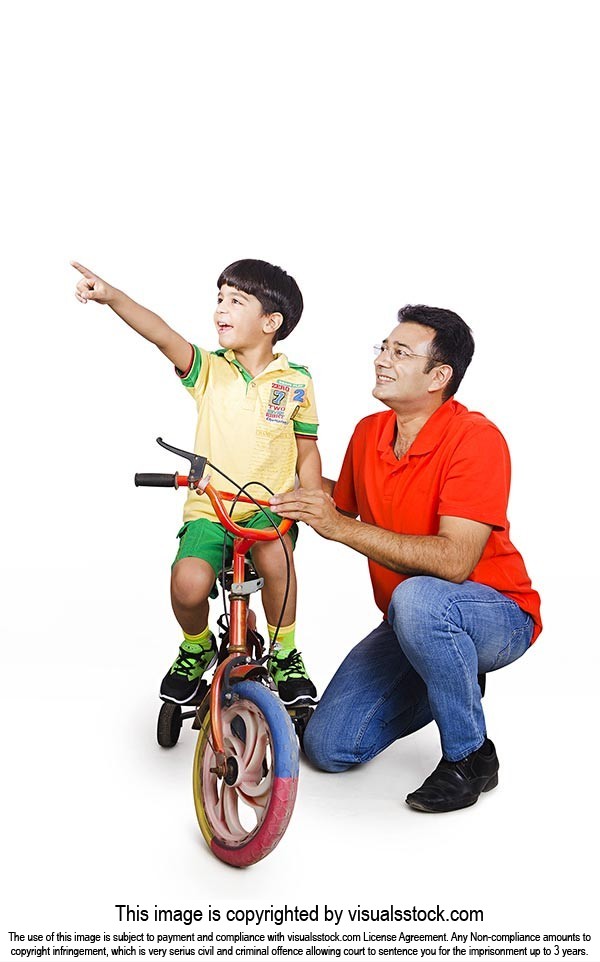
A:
x: 316, y: 508
x: 91, y: 287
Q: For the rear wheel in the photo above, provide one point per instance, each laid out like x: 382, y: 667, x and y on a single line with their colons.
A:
x: 244, y: 814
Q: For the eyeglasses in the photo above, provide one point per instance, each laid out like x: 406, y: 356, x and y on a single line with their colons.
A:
x: 396, y: 353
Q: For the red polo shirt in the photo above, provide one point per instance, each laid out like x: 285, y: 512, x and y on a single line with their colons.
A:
x: 458, y: 465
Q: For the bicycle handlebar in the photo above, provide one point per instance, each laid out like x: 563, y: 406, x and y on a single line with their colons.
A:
x: 145, y: 480
x: 156, y: 481
x: 256, y: 534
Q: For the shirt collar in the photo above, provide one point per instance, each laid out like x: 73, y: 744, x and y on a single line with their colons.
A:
x: 279, y: 363
x: 428, y: 437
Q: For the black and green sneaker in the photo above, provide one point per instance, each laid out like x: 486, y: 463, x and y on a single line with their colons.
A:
x: 289, y: 674
x: 182, y: 681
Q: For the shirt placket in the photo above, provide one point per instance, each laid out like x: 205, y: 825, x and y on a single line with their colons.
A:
x: 251, y: 396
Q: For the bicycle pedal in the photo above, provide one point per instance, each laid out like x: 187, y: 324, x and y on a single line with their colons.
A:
x: 300, y: 717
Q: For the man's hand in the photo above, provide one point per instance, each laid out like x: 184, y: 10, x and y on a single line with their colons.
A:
x: 314, y: 507
x: 91, y: 287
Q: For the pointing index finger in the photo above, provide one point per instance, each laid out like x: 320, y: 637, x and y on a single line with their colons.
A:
x: 82, y: 270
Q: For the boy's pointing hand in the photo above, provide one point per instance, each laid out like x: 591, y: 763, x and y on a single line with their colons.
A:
x: 91, y: 287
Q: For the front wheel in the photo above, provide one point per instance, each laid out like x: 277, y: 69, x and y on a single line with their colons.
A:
x: 244, y: 815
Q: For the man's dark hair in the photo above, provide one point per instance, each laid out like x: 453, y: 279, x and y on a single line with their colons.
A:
x: 276, y: 290
x: 453, y: 343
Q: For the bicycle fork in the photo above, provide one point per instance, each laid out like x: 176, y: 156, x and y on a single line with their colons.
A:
x: 238, y: 663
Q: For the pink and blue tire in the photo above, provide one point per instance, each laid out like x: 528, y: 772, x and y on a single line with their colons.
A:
x: 244, y: 815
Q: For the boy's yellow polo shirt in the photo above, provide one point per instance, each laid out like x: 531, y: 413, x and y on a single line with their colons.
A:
x: 247, y: 426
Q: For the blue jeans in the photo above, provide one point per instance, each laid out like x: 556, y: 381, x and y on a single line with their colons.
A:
x: 420, y: 665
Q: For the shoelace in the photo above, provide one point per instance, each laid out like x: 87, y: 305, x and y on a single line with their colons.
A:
x: 290, y: 665
x: 184, y: 663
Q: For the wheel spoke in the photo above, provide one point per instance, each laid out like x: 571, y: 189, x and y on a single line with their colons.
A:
x: 257, y: 796
x: 229, y: 797
x: 257, y: 784
x: 253, y: 726
x: 256, y: 748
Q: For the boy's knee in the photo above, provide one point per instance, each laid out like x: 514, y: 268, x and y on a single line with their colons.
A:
x: 191, y: 583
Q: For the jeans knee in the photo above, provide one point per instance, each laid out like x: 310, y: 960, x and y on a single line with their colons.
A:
x: 319, y: 748
x: 413, y: 604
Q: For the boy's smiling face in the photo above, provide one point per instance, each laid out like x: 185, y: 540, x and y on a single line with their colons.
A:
x: 241, y: 321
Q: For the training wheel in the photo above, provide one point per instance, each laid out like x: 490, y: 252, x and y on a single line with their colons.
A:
x: 169, y: 725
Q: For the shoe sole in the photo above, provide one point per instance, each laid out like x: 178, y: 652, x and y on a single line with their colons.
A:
x: 300, y: 701
x: 186, y: 701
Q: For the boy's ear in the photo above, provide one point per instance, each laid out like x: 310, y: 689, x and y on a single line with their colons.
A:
x: 272, y: 322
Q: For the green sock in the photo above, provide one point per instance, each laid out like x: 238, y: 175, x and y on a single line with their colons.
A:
x: 286, y: 637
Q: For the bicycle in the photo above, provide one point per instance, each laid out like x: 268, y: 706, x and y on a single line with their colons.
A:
x: 245, y: 769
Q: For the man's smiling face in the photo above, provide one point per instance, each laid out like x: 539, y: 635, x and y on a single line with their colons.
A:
x: 401, y: 374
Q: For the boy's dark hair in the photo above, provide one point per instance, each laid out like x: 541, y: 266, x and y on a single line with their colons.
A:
x: 453, y: 343
x: 276, y: 290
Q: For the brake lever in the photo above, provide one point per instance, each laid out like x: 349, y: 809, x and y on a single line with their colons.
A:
x: 197, y: 462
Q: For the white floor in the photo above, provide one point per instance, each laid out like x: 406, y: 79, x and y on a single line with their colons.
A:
x: 97, y: 815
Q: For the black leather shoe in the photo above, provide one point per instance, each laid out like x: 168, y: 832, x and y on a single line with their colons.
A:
x: 455, y: 785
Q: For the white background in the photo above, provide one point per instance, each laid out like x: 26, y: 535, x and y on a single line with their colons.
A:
x: 383, y: 153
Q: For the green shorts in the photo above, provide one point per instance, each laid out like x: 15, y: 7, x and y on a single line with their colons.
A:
x: 204, y: 539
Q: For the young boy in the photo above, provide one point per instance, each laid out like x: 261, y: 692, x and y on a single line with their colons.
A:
x: 257, y: 421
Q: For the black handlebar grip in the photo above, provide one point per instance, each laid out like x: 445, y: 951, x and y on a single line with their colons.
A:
x: 156, y: 481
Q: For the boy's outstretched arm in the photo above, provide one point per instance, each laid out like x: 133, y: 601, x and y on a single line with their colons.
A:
x: 308, y: 463
x: 145, y: 322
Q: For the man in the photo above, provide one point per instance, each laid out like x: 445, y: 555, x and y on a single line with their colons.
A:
x: 429, y: 481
